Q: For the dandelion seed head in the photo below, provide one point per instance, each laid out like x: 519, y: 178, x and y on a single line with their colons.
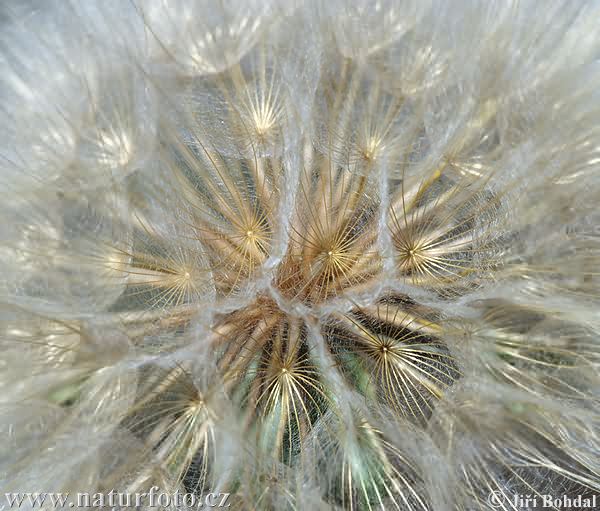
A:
x: 321, y: 256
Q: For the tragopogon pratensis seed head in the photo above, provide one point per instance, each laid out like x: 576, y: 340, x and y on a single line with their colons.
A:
x: 333, y: 255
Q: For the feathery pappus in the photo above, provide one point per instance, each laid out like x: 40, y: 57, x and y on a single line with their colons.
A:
x: 337, y: 255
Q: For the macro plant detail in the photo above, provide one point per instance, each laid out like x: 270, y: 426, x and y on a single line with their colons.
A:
x: 327, y: 255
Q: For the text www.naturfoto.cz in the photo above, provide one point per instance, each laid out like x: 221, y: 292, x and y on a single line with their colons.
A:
x: 153, y: 498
